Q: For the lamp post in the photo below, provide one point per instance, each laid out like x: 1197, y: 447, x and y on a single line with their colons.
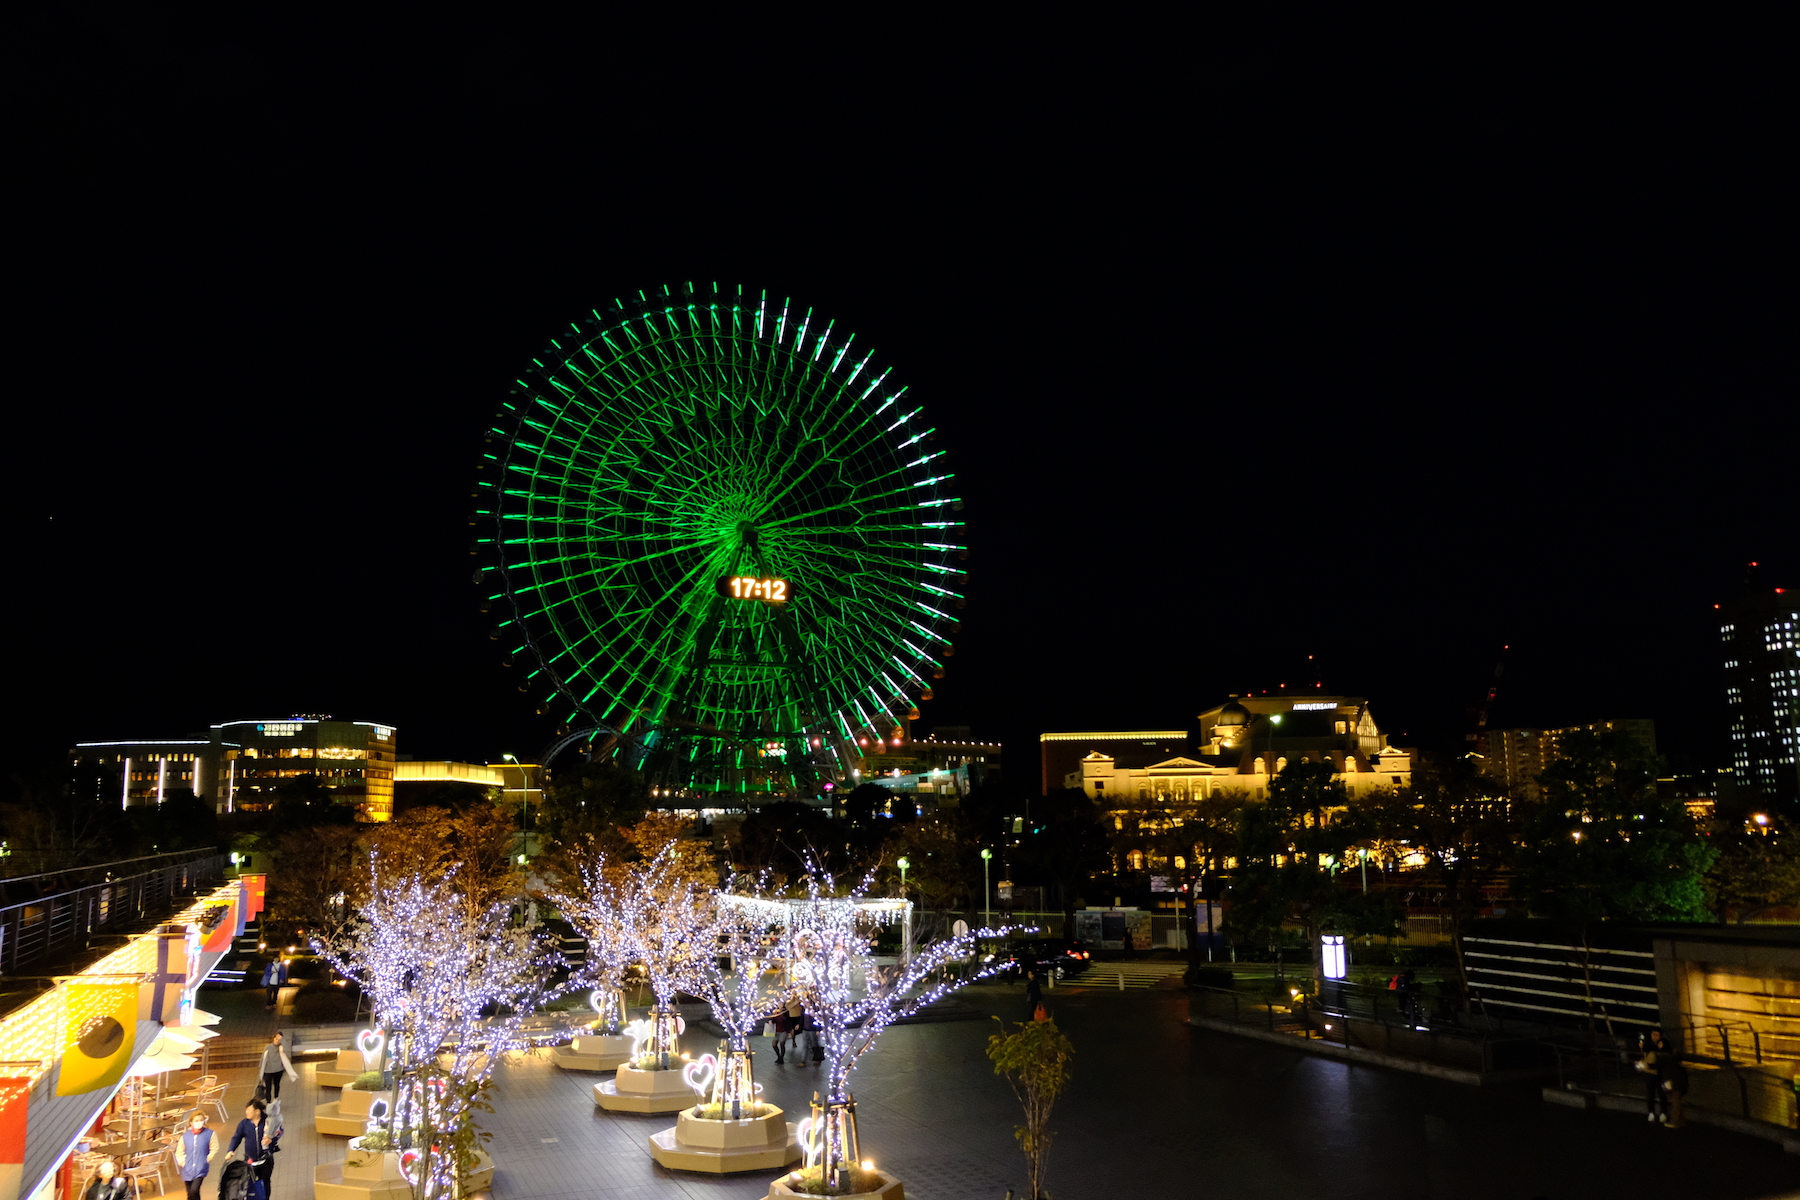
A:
x: 524, y: 803
x: 987, y: 911
x: 903, y: 864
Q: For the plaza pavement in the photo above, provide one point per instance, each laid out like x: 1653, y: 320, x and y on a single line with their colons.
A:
x: 1156, y: 1109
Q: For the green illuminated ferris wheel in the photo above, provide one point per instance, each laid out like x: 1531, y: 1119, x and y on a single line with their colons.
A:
x: 724, y: 536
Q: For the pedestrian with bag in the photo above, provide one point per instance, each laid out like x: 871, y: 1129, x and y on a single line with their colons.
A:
x: 249, y: 1135
x: 1034, y: 995
x: 194, y: 1151
x: 275, y: 1063
x: 796, y: 1017
x: 1674, y: 1077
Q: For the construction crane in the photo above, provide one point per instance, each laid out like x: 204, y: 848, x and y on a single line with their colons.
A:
x: 1479, y: 715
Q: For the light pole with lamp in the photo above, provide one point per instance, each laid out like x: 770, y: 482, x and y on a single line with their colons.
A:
x: 524, y: 804
x: 903, y: 864
x: 987, y: 911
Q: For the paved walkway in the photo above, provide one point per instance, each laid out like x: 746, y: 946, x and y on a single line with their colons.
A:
x: 1156, y: 1109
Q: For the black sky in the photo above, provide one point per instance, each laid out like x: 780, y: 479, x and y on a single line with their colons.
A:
x: 1246, y: 348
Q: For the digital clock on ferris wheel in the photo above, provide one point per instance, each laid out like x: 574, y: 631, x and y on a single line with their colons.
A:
x: 753, y: 587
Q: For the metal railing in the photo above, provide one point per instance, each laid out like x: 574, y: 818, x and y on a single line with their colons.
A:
x: 1755, y: 1092
x: 34, y: 930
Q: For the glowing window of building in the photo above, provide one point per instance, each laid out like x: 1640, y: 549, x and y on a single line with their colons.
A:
x: 1337, y: 958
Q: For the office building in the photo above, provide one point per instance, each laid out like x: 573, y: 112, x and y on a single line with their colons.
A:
x: 241, y: 764
x: 1761, y: 654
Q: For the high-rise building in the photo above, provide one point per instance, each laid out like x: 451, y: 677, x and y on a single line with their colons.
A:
x: 1516, y: 757
x: 1761, y: 638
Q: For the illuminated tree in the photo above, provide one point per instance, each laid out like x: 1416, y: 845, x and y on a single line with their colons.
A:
x: 741, y: 994
x: 831, y: 941
x: 452, y: 986
x: 650, y: 914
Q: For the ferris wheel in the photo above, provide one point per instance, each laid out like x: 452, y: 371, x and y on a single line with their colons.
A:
x: 722, y: 537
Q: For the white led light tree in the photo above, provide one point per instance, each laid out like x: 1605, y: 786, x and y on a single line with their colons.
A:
x: 831, y: 942
x: 648, y: 913
x: 432, y: 965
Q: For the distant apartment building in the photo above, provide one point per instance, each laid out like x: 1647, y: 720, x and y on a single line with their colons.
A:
x: 1761, y: 652
x: 1514, y: 758
x: 242, y: 764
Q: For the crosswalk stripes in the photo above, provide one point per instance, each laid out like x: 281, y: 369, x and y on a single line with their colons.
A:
x: 1135, y: 974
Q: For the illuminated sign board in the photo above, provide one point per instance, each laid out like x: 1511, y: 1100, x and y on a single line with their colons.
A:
x: 1312, y: 707
x: 751, y: 587
x: 279, y: 729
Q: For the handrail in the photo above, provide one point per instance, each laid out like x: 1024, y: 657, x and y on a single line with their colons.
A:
x: 36, y: 929
x: 207, y: 850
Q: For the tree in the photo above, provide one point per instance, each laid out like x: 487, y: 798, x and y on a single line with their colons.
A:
x: 588, y: 805
x: 1034, y: 1058
x: 1460, y: 821
x: 1757, y: 869
x: 434, y: 843
x: 1067, y: 844
x: 452, y: 983
x: 781, y: 838
x: 1289, y: 850
x: 943, y: 873
x: 317, y: 882
x: 63, y: 820
x: 1603, y: 845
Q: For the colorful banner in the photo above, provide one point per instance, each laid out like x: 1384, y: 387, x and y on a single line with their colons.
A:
x: 243, y: 907
x: 15, y: 1099
x: 218, y: 937
x: 259, y: 893
x: 98, y: 1036
x: 159, y: 997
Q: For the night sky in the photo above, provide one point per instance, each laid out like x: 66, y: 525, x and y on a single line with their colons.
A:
x: 1241, y: 355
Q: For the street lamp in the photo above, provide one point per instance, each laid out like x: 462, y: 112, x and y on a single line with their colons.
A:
x: 987, y: 911
x: 524, y: 801
x: 903, y: 864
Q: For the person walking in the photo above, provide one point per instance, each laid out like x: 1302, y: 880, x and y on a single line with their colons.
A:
x: 796, y: 1017
x: 1674, y: 1075
x: 194, y: 1151
x: 108, y: 1184
x: 782, y: 1028
x: 1034, y: 995
x: 275, y: 977
x: 275, y: 1062
x: 249, y: 1135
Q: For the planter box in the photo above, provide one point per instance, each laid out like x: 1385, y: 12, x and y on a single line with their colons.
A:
x: 889, y: 1190
x: 632, y: 1090
x: 354, y: 1102
x: 374, y: 1165
x: 757, y: 1143
x: 348, y: 1066
x: 593, y: 1052
x: 327, y: 1119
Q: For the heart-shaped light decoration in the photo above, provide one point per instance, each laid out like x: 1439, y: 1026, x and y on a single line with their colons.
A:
x: 597, y: 1001
x: 371, y: 1042
x: 699, y: 1075
x: 408, y: 1160
x: 680, y: 1024
x: 639, y: 1033
x: 811, y: 1135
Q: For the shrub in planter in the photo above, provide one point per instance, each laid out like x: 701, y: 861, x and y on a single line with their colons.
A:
x: 1216, y: 977
x: 322, y: 1002
x: 370, y: 1081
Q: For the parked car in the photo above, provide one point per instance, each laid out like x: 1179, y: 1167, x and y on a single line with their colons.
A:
x: 1060, y: 957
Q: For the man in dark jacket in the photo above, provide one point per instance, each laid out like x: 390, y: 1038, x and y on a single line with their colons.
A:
x: 250, y: 1133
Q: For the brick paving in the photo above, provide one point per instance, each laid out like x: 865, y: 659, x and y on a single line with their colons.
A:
x: 1156, y: 1108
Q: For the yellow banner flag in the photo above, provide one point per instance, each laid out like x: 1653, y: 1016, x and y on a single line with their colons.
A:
x: 99, y: 1035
